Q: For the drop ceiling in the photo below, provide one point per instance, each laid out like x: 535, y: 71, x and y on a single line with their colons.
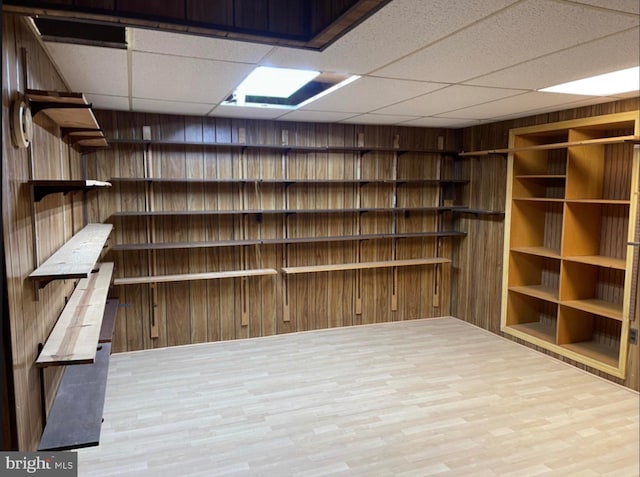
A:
x: 437, y: 63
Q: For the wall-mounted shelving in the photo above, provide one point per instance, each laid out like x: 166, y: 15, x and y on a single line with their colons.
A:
x: 72, y: 113
x: 42, y: 188
x: 570, y: 218
x: 77, y: 258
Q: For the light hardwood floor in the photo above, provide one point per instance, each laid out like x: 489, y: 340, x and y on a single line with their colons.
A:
x: 413, y: 398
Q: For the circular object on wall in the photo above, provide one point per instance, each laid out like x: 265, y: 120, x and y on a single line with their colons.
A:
x: 21, y: 123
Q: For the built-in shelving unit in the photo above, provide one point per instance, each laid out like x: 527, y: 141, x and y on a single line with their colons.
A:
x: 570, y: 220
x: 72, y: 113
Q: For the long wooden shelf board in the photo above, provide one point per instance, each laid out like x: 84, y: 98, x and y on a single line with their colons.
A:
x: 538, y: 199
x: 559, y: 145
x: 76, y: 414
x: 537, y: 291
x: 597, y: 307
x: 600, y: 261
x: 288, y: 181
x: 77, y: 257
x: 42, y: 188
x: 67, y: 110
x: 74, y: 338
x: 279, y: 147
x: 277, y: 241
x: 462, y: 210
x: 539, y: 251
x: 363, y: 265
x: 542, y: 177
x: 599, y: 201
x: 174, y: 213
x: 598, y: 352
x: 536, y: 329
x: 194, y: 276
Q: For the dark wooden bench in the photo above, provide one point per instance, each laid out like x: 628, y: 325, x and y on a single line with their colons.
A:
x: 75, y: 419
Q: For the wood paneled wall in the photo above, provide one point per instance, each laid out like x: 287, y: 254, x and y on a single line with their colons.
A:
x: 212, y: 310
x: 32, y: 229
x: 477, y: 286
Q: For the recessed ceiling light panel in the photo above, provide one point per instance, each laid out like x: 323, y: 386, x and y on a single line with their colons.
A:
x: 617, y: 82
x: 285, y: 88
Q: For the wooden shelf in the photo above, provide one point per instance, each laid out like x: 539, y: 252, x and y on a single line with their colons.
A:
x: 42, y: 188
x: 538, y: 251
x: 539, y: 199
x: 288, y: 181
x: 76, y: 258
x: 542, y: 177
x: 175, y: 213
x: 600, y: 261
x: 72, y: 113
x: 567, y: 207
x: 277, y: 241
x: 194, y: 276
x: 595, y: 351
x: 559, y: 145
x: 479, y: 211
x: 74, y: 338
x: 278, y: 147
x: 537, y: 330
x: 599, y: 201
x: 537, y: 291
x: 363, y: 265
x: 597, y: 307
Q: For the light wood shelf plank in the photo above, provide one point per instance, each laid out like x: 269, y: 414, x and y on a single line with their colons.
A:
x: 538, y: 291
x: 538, y: 330
x: 76, y: 258
x: 74, y: 338
x: 363, y: 265
x: 597, y: 307
x: 595, y: 351
x: 600, y: 261
x: 539, y: 251
x: 539, y: 199
x: 194, y: 276
x: 599, y: 201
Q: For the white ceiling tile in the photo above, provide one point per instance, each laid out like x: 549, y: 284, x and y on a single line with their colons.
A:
x: 229, y: 111
x: 170, y: 107
x: 367, y: 94
x: 442, y: 123
x: 401, y: 27
x: 525, y: 104
x: 378, y: 119
x: 91, y: 69
x: 101, y: 101
x: 630, y: 6
x: 612, y: 53
x: 316, y: 116
x: 527, y: 30
x: 448, y: 99
x: 175, y: 78
x: 197, y: 46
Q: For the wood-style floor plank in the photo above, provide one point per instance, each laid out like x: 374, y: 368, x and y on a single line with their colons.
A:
x: 412, y: 398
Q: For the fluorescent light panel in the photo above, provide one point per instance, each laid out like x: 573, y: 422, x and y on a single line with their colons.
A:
x: 607, y: 84
x: 275, y: 82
